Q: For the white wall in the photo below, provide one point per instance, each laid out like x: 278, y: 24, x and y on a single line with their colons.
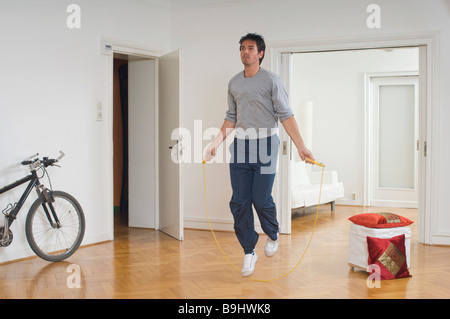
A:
x: 334, y: 82
x: 51, y: 80
x: 209, y: 31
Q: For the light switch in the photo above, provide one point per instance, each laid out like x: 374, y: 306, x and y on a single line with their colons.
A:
x: 99, y: 111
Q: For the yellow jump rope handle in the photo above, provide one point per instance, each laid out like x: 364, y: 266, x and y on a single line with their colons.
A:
x: 316, y: 163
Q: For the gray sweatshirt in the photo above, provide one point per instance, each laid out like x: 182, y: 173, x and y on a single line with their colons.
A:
x: 256, y: 104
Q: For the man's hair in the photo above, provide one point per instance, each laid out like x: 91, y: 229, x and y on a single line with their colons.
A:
x: 259, y: 43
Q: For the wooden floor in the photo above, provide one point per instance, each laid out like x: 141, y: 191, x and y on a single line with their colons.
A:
x: 143, y: 263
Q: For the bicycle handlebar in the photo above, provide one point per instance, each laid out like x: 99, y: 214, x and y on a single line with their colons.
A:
x: 45, y: 160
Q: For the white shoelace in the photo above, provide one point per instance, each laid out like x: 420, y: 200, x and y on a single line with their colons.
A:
x: 272, y: 243
x: 248, y: 260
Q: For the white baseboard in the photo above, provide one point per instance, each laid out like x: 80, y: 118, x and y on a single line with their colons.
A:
x: 216, y: 224
x: 441, y: 239
x: 349, y: 202
x: 13, y: 253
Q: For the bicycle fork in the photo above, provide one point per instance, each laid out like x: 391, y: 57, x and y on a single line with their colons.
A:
x: 41, y: 189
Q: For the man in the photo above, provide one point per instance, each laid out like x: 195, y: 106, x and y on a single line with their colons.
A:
x: 256, y: 101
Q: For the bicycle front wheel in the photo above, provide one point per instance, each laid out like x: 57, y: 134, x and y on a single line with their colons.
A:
x: 51, y: 240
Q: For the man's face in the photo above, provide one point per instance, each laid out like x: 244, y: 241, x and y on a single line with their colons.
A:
x: 249, y: 53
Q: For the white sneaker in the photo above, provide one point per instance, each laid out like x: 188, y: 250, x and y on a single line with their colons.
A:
x: 271, y: 247
x: 249, y: 264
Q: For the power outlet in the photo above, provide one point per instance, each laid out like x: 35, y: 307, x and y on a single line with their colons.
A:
x: 354, y: 197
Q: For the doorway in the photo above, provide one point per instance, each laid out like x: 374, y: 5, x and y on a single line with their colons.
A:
x: 120, y: 139
x: 154, y: 117
x: 334, y: 85
x: 134, y: 138
x: 281, y: 58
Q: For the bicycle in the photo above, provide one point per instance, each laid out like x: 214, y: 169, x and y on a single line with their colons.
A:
x: 55, y: 223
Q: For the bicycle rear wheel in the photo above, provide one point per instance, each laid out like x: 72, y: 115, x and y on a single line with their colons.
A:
x: 49, y: 240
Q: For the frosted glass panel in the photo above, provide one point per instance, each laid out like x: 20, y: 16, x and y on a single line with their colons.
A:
x: 396, y: 136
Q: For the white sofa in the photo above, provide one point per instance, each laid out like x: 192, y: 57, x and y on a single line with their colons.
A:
x: 305, y: 187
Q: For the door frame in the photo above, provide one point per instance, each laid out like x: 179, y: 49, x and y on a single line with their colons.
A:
x: 428, y: 43
x: 109, y: 47
x: 371, y: 140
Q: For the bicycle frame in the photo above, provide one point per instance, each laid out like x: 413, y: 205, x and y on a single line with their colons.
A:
x: 34, y: 182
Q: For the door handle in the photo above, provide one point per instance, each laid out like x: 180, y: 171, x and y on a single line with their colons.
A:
x: 178, y: 149
x: 171, y: 147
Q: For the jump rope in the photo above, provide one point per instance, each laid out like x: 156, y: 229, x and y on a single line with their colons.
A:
x: 307, y: 246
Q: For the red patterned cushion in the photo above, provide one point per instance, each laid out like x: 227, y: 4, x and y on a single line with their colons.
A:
x: 390, y: 255
x: 380, y: 220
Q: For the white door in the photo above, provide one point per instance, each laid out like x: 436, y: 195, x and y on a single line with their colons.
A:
x: 141, y: 143
x: 395, y: 142
x: 169, y: 83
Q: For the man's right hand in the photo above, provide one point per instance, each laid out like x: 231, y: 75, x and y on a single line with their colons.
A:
x: 210, y: 152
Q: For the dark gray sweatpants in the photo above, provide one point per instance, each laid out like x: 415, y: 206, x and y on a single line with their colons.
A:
x: 252, y: 173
